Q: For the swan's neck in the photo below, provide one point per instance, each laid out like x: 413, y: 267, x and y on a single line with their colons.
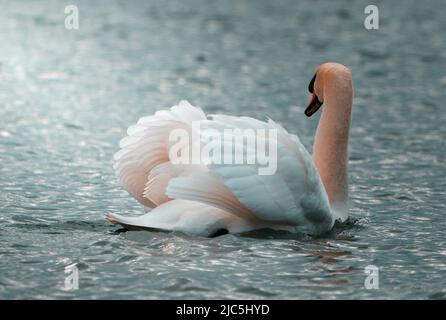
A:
x: 330, y: 149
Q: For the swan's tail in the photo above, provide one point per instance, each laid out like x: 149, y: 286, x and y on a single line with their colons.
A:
x: 129, y: 223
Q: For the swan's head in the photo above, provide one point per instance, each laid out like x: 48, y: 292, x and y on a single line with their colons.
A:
x: 329, y: 75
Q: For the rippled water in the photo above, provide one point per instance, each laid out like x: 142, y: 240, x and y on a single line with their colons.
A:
x: 67, y: 97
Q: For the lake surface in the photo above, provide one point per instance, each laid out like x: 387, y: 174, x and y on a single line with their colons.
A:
x: 67, y: 97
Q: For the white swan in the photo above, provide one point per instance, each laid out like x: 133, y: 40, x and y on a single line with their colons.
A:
x: 305, y: 194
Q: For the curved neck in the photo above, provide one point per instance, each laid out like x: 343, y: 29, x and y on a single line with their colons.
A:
x: 330, y: 149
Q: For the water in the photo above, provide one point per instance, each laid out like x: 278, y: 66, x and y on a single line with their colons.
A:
x: 67, y: 97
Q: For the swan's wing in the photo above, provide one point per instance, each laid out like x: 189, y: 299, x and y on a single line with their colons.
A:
x: 292, y: 195
x: 147, y: 146
x: 207, y: 187
x: 159, y: 177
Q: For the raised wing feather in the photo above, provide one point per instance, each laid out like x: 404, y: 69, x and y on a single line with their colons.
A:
x: 147, y: 146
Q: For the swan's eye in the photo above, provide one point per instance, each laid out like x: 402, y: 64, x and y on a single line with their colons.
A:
x: 311, y: 85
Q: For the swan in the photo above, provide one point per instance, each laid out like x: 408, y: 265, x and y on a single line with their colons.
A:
x: 305, y: 193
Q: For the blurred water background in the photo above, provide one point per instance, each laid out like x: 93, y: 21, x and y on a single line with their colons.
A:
x: 67, y: 97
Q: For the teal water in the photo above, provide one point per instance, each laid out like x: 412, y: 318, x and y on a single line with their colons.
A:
x: 67, y: 97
